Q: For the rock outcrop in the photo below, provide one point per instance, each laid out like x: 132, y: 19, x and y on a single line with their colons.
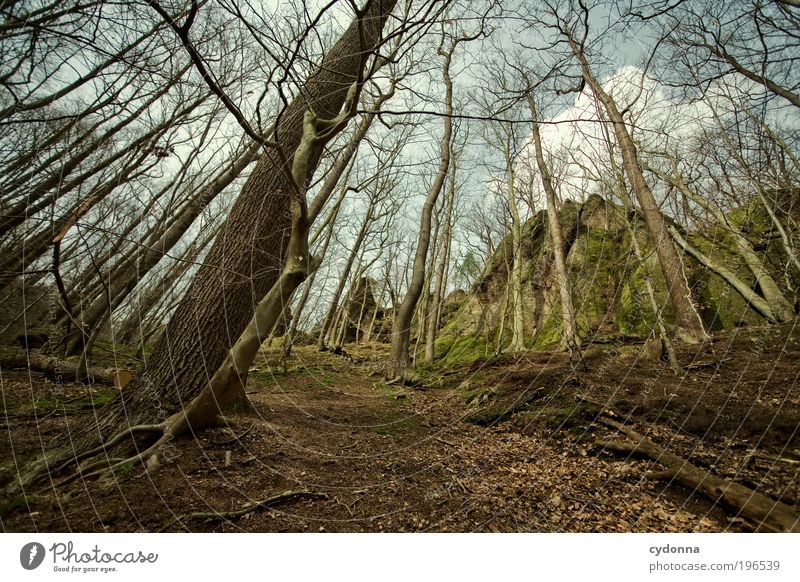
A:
x: 607, y: 281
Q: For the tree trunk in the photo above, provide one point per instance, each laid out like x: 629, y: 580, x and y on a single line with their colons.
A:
x: 245, y: 260
x: 288, y: 339
x: 690, y: 326
x: 444, y: 261
x: 401, y: 331
x: 766, y: 512
x: 569, y: 336
x: 515, y: 281
x: 753, y: 299
x: 779, y: 307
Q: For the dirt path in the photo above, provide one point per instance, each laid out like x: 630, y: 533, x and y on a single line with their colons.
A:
x: 386, y: 458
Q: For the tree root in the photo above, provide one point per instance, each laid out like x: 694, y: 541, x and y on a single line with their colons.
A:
x: 263, y: 504
x: 109, y: 465
x: 757, y: 507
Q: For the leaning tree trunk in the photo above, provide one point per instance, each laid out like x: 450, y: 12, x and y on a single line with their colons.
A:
x: 148, y: 256
x: 752, y: 298
x: 778, y: 306
x: 569, y: 336
x: 444, y: 262
x: 245, y: 261
x: 690, y: 326
x: 401, y: 330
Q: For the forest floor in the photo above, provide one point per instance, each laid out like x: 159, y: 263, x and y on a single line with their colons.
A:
x: 506, y: 445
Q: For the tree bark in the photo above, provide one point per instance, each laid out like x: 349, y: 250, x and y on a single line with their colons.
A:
x: 401, y: 331
x: 690, y: 326
x: 444, y: 262
x: 569, y: 336
x: 245, y: 259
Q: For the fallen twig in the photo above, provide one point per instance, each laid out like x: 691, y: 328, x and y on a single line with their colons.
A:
x: 234, y: 438
x: 700, y: 365
x: 263, y: 504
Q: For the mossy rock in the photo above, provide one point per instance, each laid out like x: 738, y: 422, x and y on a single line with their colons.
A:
x: 577, y: 416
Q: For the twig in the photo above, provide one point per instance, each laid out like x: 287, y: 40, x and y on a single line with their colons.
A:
x: 235, y: 438
x: 448, y: 443
x: 700, y: 365
x: 263, y: 504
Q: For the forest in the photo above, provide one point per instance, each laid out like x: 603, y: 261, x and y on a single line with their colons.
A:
x: 400, y: 266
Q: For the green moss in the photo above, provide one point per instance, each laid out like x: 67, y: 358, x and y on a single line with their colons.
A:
x: 443, y: 344
x: 634, y: 314
x: 74, y: 405
x: 751, y: 218
x: 572, y: 417
x: 466, y: 350
x: 594, y: 271
x: 550, y: 334
x: 102, y: 398
x: 720, y: 305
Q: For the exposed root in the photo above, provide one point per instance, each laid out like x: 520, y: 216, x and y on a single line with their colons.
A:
x: 108, y: 466
x: 113, y: 441
x: 263, y: 504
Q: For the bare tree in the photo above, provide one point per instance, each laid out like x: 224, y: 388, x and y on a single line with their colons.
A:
x: 268, y: 222
x: 401, y: 331
x: 569, y: 337
x: 690, y: 327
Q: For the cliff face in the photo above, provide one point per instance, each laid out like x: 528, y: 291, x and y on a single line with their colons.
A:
x: 607, y: 280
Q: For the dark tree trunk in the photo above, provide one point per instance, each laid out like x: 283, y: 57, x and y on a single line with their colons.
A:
x: 246, y: 258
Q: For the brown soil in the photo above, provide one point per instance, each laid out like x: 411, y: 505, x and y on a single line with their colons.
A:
x: 501, y: 446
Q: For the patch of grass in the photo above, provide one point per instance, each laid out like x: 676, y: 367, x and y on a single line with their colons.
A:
x: 125, y: 470
x: 49, y: 404
x: 75, y: 405
x: 102, y: 398
x: 466, y: 350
